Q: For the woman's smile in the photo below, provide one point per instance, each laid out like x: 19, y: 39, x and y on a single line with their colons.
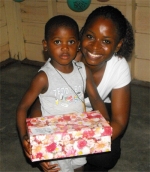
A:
x: 94, y: 56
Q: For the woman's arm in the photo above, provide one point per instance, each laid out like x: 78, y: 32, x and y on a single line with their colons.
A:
x: 95, y: 99
x: 120, y: 104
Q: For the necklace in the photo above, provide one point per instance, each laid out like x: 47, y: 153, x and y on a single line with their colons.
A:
x: 78, y: 67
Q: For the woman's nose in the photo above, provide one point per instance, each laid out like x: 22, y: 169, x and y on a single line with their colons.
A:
x: 96, y: 44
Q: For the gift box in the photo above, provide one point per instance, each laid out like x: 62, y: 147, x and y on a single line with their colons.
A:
x: 68, y: 135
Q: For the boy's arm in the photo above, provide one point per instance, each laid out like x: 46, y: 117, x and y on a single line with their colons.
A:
x: 38, y: 85
x: 95, y: 99
x: 35, y: 111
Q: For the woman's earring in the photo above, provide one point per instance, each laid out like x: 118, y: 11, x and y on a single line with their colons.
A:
x: 78, y: 49
x: 115, y: 53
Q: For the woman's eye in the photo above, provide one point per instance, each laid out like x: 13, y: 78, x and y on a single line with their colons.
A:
x: 71, y: 42
x: 89, y: 36
x: 57, y: 42
x: 106, y: 41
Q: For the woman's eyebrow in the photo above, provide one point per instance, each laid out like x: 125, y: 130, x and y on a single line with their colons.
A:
x: 89, y: 31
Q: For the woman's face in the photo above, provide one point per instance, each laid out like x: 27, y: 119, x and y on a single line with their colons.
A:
x: 99, y: 42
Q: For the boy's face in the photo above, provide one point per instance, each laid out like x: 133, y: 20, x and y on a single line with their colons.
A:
x: 62, y: 46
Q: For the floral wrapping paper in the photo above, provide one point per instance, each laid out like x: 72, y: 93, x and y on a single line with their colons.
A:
x: 68, y: 135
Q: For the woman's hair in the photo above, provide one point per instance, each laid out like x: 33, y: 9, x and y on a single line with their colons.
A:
x: 60, y: 21
x: 124, y: 28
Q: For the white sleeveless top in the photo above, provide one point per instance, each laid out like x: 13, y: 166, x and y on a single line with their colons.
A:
x: 65, y: 92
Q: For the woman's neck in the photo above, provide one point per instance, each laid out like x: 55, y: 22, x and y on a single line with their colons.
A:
x: 95, y: 68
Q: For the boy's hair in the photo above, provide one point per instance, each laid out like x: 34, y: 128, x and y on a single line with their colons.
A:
x: 124, y: 28
x: 60, y: 21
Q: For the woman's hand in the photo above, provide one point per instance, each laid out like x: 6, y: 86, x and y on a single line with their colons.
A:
x: 26, y: 146
x: 48, y: 167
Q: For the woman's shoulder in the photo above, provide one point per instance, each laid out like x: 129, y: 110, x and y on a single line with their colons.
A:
x: 117, y: 63
x: 118, y: 72
x: 117, y: 60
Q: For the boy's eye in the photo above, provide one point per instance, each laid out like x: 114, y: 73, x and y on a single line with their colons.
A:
x: 57, y: 42
x: 71, y: 42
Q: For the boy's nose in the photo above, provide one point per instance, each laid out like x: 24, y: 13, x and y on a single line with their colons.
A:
x: 65, y: 47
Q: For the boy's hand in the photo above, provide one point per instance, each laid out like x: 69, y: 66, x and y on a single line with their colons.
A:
x: 26, y: 146
x: 45, y: 165
x: 48, y: 167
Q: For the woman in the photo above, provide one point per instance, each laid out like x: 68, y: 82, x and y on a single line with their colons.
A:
x: 107, y: 42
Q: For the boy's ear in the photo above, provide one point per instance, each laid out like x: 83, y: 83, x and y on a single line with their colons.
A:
x: 44, y: 42
x: 119, y: 46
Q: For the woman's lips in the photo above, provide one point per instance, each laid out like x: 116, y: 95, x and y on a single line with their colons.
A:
x: 94, y: 55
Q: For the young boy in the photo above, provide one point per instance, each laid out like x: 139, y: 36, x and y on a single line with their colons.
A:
x: 61, y: 83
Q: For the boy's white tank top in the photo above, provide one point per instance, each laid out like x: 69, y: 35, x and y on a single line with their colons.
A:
x: 65, y: 92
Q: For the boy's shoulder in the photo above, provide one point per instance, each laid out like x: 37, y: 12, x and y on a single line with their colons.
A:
x: 81, y: 67
x: 79, y: 63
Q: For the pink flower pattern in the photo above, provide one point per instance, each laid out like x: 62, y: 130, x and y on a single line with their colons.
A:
x: 68, y: 135
x: 82, y: 143
x: 51, y: 147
